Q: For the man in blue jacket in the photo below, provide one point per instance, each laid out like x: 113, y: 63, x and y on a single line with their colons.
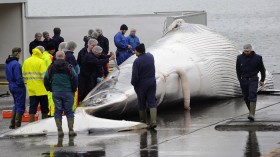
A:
x: 122, y: 45
x: 62, y: 80
x: 132, y: 40
x: 248, y: 65
x: 16, y: 86
x: 144, y: 82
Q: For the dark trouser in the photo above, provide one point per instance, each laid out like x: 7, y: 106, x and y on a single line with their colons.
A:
x: 122, y: 56
x: 63, y: 101
x: 34, y: 102
x: 19, y: 96
x: 81, y: 87
x: 146, y: 94
x: 85, y: 85
x: 249, y: 90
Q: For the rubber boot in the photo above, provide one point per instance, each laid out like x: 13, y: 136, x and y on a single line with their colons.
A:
x: 60, y: 141
x: 31, y: 118
x: 58, y: 123
x: 18, y: 120
x: 252, y: 111
x: 70, y: 126
x: 71, y: 141
x: 45, y: 115
x: 13, y: 121
x: 153, y: 116
x: 143, y: 116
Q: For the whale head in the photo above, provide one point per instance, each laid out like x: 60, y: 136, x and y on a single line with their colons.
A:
x: 114, y: 94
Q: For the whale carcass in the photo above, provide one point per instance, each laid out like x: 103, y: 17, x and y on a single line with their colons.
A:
x: 191, y: 61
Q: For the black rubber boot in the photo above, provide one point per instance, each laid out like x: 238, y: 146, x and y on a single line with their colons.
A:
x: 13, y: 121
x: 18, y: 120
x: 60, y: 142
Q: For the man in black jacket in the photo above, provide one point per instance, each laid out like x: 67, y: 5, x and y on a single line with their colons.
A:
x: 47, y: 39
x: 104, y: 43
x: 57, y: 39
x: 248, y: 65
x: 36, y: 42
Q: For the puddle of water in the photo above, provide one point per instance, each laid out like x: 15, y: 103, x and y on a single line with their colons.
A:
x: 96, y: 153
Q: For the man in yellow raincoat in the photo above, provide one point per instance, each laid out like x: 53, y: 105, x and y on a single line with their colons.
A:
x: 48, y: 58
x: 33, y: 71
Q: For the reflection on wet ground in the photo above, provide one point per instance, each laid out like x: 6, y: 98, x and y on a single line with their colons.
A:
x: 252, y: 145
x: 146, y: 149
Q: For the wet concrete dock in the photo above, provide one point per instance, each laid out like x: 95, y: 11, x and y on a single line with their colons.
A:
x: 179, y: 133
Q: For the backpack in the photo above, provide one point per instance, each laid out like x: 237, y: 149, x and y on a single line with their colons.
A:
x: 51, y: 71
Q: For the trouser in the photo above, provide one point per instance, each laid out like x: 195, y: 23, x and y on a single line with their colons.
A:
x: 85, y: 85
x: 249, y: 90
x: 34, y: 102
x: 122, y: 56
x: 81, y: 87
x: 19, y: 96
x: 51, y: 104
x: 146, y: 95
x: 63, y: 102
x: 76, y: 101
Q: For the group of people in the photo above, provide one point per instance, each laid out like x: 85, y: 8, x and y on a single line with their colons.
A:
x: 52, y: 74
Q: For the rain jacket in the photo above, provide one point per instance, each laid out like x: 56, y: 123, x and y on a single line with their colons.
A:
x: 33, y: 71
x: 13, y: 73
x: 16, y: 84
x: 249, y: 66
x: 47, y: 57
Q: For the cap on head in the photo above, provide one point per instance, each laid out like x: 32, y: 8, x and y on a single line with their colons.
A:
x: 123, y: 27
x: 247, y: 47
x: 140, y: 48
